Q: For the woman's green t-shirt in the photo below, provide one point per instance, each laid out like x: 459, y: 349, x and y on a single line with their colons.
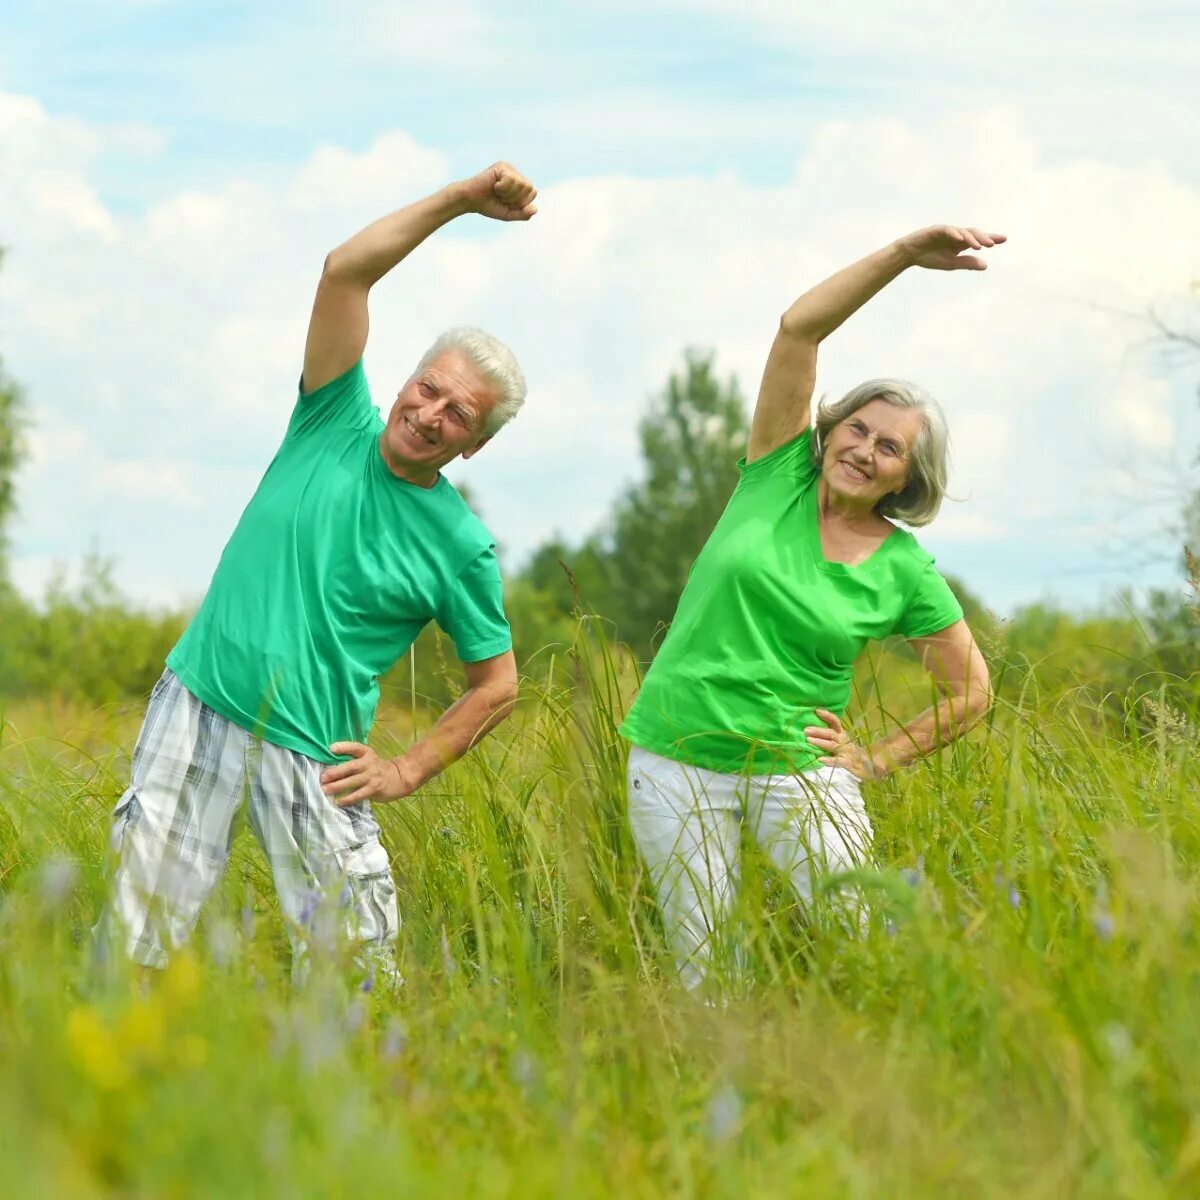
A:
x: 767, y: 630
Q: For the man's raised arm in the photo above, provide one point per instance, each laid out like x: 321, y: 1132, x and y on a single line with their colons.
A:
x: 337, y: 329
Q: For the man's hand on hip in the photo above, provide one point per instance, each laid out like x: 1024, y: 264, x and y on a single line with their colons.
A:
x: 365, y: 777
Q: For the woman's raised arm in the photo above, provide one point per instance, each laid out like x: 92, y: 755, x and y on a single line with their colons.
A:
x: 785, y: 395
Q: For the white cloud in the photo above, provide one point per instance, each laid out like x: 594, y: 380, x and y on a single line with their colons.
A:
x: 953, y: 526
x: 161, y: 350
x: 453, y: 33
x: 1081, y: 31
x: 154, y: 483
x: 393, y: 165
x: 1105, y: 77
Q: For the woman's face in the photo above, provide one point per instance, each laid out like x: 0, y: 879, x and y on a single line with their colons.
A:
x: 867, y: 456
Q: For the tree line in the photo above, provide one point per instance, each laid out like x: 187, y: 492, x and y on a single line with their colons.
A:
x: 88, y: 642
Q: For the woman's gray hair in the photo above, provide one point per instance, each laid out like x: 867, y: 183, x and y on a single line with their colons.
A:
x: 494, y: 360
x: 929, y: 464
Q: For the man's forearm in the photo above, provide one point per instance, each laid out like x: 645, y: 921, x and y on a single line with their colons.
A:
x: 475, y: 713
x: 371, y: 253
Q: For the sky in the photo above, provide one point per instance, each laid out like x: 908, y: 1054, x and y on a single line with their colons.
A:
x: 173, y: 174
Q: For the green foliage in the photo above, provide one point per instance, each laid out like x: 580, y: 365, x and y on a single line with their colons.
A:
x: 90, y: 643
x: 570, y: 578
x: 1019, y: 1018
x: 634, y: 571
x: 691, y: 440
x: 1116, y: 656
x: 85, y: 643
x: 12, y: 451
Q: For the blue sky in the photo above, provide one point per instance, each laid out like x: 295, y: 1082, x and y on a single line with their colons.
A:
x: 176, y: 172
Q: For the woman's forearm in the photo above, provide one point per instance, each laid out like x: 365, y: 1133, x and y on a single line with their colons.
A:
x: 937, y: 726
x: 816, y: 314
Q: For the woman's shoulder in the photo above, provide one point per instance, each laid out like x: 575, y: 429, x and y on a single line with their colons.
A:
x: 791, y: 460
x: 904, y: 543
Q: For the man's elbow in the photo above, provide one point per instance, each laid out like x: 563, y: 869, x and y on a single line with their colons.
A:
x: 503, y: 700
x: 340, y: 268
x: 331, y: 266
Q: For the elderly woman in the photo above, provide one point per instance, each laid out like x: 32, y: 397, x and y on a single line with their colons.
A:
x: 738, y: 717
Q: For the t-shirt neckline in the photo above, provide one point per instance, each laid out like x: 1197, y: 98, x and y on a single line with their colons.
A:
x: 813, y: 528
x: 391, y: 475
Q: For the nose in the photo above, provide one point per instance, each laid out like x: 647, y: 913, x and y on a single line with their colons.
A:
x: 430, y: 415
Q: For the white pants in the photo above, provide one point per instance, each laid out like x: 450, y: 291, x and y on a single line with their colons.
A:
x: 687, y: 824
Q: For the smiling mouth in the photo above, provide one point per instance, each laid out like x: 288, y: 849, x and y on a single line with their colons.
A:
x: 416, y: 433
x: 855, y: 473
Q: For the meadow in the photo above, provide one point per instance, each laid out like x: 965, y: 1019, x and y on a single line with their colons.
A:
x: 1020, y: 1018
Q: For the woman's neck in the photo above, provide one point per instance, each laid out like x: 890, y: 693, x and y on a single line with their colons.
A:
x: 844, y: 509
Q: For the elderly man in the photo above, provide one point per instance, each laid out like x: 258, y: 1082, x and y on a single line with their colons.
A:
x: 352, y: 543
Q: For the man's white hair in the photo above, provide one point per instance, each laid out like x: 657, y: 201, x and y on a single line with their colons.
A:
x: 494, y: 360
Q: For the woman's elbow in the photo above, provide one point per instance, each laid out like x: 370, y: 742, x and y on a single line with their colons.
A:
x: 795, y: 327
x: 980, y: 697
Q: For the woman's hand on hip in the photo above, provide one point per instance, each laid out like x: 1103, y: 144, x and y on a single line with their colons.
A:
x: 839, y: 749
x: 365, y: 777
x: 942, y: 247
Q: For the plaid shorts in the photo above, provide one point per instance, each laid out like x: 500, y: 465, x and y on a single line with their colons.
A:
x: 173, y: 829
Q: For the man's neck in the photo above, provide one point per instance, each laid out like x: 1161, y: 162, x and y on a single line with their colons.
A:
x: 418, y: 474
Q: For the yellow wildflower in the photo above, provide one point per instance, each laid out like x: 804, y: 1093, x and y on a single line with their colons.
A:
x: 94, y: 1050
x: 142, y: 1032
x: 193, y: 1051
x: 181, y: 981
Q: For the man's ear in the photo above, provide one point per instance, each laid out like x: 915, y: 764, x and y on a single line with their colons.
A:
x: 479, y: 445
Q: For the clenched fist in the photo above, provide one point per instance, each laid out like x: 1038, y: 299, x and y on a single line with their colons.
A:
x: 501, y: 192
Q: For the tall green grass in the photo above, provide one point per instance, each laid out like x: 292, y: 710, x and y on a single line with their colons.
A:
x: 1020, y: 1018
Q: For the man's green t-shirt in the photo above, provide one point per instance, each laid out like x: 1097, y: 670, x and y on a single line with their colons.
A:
x: 334, y: 568
x: 767, y: 630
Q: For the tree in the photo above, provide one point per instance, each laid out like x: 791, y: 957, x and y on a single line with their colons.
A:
x: 634, y: 572
x: 571, y: 577
x: 1181, y: 339
x: 691, y: 439
x: 12, y: 452
x: 11, y: 455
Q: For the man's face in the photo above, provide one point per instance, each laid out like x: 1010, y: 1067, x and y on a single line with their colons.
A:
x: 440, y: 413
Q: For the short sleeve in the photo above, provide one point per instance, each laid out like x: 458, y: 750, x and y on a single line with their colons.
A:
x: 931, y: 607
x: 794, y: 459
x: 472, y: 611
x: 343, y: 403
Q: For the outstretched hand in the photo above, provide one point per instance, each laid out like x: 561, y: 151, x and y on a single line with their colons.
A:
x: 838, y: 748
x: 502, y: 193
x: 943, y: 247
x: 365, y: 777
